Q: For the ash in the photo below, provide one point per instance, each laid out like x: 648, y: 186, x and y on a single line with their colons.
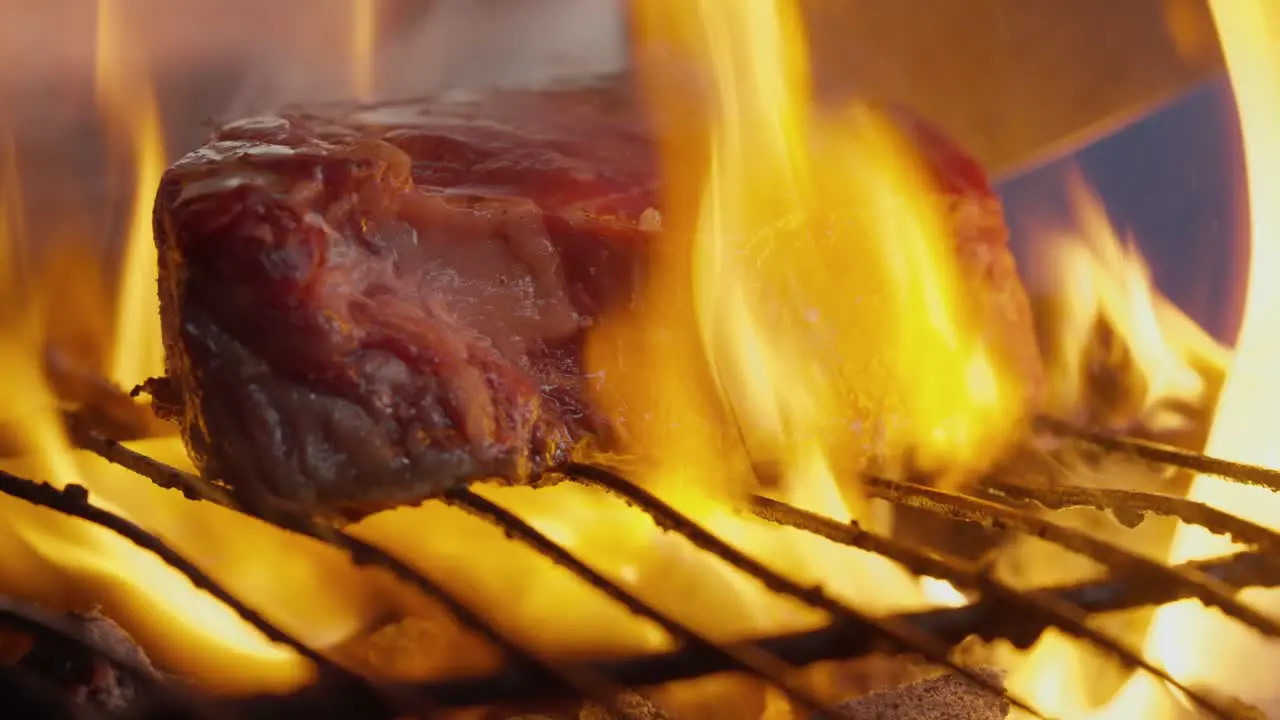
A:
x: 942, y: 697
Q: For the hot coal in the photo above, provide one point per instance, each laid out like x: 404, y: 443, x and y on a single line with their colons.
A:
x: 366, y: 306
x: 949, y: 696
x: 68, y: 674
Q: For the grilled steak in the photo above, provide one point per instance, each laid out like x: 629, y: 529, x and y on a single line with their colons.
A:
x: 363, y: 307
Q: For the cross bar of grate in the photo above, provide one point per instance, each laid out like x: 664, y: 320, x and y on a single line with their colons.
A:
x: 902, y: 636
x: 1129, y: 507
x: 1116, y: 557
x: 1137, y: 586
x: 985, y: 618
x: 743, y: 657
x: 970, y: 575
x: 518, y: 682
x: 1162, y: 454
x: 73, y: 500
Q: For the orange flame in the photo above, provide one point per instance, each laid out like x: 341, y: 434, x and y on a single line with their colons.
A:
x: 805, y: 315
x: 67, y: 563
x: 1154, y: 357
x: 129, y: 108
x: 784, y: 336
x: 364, y: 34
x: 1227, y: 656
x: 831, y: 337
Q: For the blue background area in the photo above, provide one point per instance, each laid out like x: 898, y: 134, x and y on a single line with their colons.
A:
x: 1175, y: 180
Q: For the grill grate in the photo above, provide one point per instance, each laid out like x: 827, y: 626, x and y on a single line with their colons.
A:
x: 1001, y: 612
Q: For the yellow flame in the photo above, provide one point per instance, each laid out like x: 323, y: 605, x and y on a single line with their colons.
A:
x: 1243, y: 428
x: 1199, y: 646
x: 806, y: 290
x: 56, y: 556
x: 70, y: 564
x: 941, y: 593
x: 1100, y: 281
x: 364, y: 34
x: 129, y: 106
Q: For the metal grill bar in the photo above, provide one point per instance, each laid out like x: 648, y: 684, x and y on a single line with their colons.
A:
x: 73, y: 500
x: 744, y: 657
x: 1060, y: 614
x: 849, y: 635
x: 518, y: 683
x: 1130, y: 506
x: 985, y: 618
x: 362, y: 553
x: 587, y: 683
x: 990, y: 514
x: 191, y: 486
x: 1162, y: 454
x: 901, y: 635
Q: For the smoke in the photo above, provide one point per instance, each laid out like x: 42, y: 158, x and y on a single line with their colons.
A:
x: 217, y: 60
x: 473, y: 43
x: 222, y: 58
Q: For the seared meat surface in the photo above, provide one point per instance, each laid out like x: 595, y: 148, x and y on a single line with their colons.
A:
x: 363, y: 307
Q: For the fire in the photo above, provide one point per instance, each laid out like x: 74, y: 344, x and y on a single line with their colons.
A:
x: 787, y: 342
x: 1226, y: 656
x: 1198, y: 646
x: 130, y: 110
x: 364, y: 33
x: 1116, y: 341
x: 66, y: 563
x: 830, y: 338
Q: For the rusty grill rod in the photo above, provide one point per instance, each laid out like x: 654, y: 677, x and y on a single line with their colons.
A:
x: 1162, y: 454
x: 745, y: 657
x: 73, y: 500
x: 586, y: 682
x: 839, y: 640
x: 582, y: 681
x: 665, y: 515
x: 994, y: 515
x: 985, y: 618
x: 971, y: 575
x: 191, y: 486
x: 902, y: 635
x: 1130, y: 507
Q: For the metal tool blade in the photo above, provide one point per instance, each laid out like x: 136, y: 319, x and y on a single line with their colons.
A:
x: 1018, y: 82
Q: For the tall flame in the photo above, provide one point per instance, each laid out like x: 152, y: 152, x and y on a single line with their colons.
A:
x: 364, y: 33
x: 66, y: 563
x: 805, y: 287
x: 129, y: 107
x: 1226, y: 656
x: 1101, y: 282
